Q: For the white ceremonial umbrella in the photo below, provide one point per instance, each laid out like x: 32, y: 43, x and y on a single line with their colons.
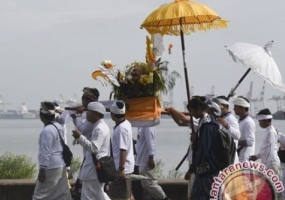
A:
x: 259, y: 60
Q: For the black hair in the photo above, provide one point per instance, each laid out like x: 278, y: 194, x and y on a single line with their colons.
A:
x: 95, y: 92
x: 55, y: 104
x: 47, y: 117
x: 49, y: 106
x: 197, y: 104
x: 201, y: 98
x: 264, y: 111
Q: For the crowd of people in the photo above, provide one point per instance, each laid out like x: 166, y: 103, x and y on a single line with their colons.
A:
x: 204, y: 152
x: 208, y: 117
x: 94, y: 135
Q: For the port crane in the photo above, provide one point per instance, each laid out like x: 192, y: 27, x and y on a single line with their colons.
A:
x: 258, y: 102
x: 3, y: 103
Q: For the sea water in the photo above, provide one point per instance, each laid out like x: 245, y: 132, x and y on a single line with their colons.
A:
x: 20, y: 137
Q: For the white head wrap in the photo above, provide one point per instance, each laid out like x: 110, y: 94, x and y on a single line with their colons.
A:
x: 97, y: 107
x: 45, y: 110
x: 241, y: 102
x: 116, y: 110
x: 223, y: 101
x: 216, y: 107
x: 263, y: 117
x: 264, y: 114
x: 209, y: 97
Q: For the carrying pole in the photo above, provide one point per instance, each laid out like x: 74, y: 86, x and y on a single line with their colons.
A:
x: 187, y: 86
x: 239, y: 82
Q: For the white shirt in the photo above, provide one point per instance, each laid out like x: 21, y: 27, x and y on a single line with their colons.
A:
x: 122, y: 139
x: 50, y: 148
x: 145, y: 145
x: 281, y: 139
x: 63, y: 119
x: 269, y: 147
x: 99, y: 144
x: 247, y: 133
x: 84, y: 126
x: 233, y: 130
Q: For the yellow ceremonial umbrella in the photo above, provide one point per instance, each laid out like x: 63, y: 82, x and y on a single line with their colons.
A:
x: 182, y: 17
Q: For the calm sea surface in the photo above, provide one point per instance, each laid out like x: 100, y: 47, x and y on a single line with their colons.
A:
x: 21, y: 137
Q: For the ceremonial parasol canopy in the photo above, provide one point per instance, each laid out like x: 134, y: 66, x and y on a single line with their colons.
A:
x: 259, y: 60
x: 182, y: 16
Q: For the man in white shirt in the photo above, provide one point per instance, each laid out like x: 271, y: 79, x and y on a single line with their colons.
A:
x: 98, y: 144
x: 246, y: 143
x: 80, y: 118
x: 122, y: 148
x: 269, y: 147
x: 229, y: 122
x: 62, y: 117
x: 145, y: 149
x: 82, y: 124
x: 52, y: 179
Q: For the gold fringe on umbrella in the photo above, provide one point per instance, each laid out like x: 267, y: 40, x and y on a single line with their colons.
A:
x: 164, y: 29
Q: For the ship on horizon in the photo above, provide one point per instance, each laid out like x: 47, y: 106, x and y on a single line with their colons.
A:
x: 21, y: 113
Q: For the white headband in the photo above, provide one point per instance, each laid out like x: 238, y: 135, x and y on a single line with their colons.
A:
x: 223, y: 101
x: 47, y: 112
x: 114, y: 109
x: 263, y: 117
x: 241, y: 102
x: 216, y: 107
x: 97, y: 107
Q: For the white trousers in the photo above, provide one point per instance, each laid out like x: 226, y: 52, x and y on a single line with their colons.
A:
x: 190, y: 184
x: 151, y: 186
x: 93, y: 190
x: 55, y: 187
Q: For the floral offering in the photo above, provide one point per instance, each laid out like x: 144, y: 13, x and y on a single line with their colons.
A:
x: 139, y: 79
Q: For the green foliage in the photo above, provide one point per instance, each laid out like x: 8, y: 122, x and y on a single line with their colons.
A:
x: 157, y: 171
x: 16, y: 167
x: 74, y: 167
x: 172, y: 174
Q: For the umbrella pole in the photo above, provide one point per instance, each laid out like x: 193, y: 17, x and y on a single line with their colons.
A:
x: 184, y: 64
x: 187, y: 91
x: 239, y: 82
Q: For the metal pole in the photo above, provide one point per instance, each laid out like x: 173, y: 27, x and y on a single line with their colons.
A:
x: 239, y: 82
x: 187, y: 88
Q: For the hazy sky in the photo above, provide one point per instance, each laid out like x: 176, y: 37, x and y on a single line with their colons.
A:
x: 51, y: 47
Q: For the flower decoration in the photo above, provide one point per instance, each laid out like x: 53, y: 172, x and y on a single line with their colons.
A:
x: 108, y: 72
x: 107, y: 64
x: 139, y: 79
